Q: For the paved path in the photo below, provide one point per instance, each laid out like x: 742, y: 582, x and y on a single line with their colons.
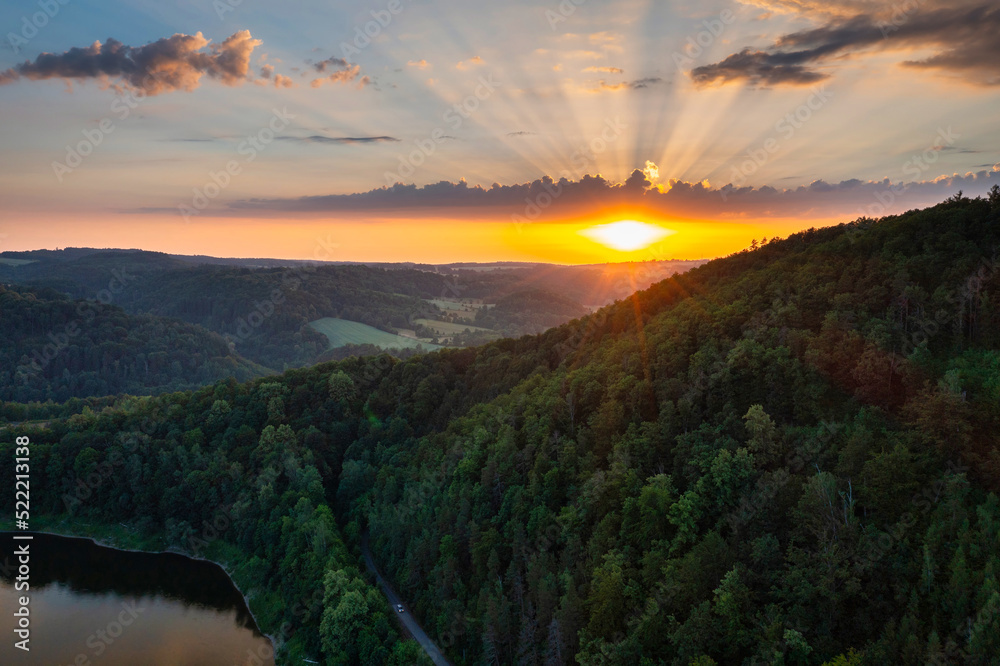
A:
x: 406, y: 618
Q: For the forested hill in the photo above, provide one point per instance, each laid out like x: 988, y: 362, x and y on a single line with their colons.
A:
x: 787, y: 456
x: 56, y: 348
x: 264, y: 310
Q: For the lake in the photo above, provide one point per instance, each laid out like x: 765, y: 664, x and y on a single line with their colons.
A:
x: 95, y: 605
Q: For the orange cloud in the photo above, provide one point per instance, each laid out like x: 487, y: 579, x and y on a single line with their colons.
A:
x: 169, y: 64
x: 471, y: 62
x: 346, y: 74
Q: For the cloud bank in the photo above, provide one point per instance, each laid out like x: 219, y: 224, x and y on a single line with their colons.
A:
x: 552, y: 200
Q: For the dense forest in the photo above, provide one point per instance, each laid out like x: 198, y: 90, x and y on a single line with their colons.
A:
x: 57, y: 348
x: 786, y: 456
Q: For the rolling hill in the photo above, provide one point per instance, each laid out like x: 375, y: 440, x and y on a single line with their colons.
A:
x: 57, y: 348
x: 264, y: 306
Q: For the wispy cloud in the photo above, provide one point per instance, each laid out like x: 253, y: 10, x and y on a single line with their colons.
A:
x: 638, y: 84
x: 470, y: 63
x: 317, y: 138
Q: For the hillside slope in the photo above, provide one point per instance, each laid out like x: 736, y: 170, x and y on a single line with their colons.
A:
x: 781, y: 457
x: 56, y: 348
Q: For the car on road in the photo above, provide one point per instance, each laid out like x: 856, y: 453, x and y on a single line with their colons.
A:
x: 399, y: 608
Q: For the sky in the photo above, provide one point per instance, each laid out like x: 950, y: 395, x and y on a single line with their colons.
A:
x: 438, y: 131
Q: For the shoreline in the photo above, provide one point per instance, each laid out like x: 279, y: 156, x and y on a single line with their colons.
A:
x: 170, y: 551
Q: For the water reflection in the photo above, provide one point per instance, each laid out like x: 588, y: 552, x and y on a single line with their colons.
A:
x: 91, y: 604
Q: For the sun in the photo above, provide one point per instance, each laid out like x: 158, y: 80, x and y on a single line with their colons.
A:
x: 626, y: 235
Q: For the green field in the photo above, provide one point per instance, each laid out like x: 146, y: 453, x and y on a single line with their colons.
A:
x: 341, y: 332
x: 458, y: 306
x: 447, y: 327
x: 452, y: 305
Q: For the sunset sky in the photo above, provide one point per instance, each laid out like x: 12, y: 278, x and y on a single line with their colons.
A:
x: 468, y: 131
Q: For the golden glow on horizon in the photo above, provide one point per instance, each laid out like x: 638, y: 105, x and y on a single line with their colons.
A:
x: 627, y: 235
x: 433, y: 240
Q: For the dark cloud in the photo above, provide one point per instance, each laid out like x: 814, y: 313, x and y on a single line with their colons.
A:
x: 521, y: 133
x: 645, y: 83
x: 757, y: 67
x: 172, y: 63
x: 442, y: 194
x: 963, y: 33
x: 639, y: 84
x: 339, y: 139
x: 331, y: 63
x: 565, y: 197
x: 960, y: 150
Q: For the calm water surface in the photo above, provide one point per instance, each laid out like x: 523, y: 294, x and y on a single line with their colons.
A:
x: 93, y: 605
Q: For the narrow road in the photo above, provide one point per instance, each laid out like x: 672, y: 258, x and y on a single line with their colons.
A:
x: 406, y: 618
